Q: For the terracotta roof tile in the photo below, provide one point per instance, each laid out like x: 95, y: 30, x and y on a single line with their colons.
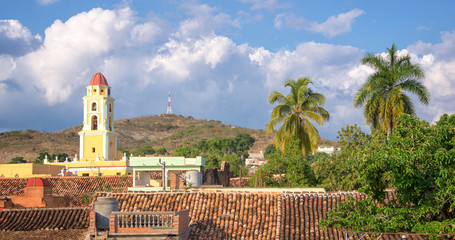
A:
x: 73, y: 187
x: 44, y: 218
x: 73, y: 234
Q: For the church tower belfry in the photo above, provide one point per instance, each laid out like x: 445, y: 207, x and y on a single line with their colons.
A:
x: 98, y: 140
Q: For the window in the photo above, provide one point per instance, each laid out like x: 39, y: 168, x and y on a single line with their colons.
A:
x: 93, y: 106
x: 108, y: 91
x: 85, y: 175
x: 93, y: 149
x: 110, y: 123
x: 118, y: 174
x: 110, y: 107
x: 95, y: 123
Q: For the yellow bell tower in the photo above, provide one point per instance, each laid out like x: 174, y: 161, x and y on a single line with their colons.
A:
x: 98, y: 140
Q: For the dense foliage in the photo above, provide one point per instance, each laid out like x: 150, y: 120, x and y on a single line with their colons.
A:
x: 148, y: 150
x: 294, y: 115
x: 61, y: 157
x: 17, y: 160
x: 418, y: 162
x: 341, y: 171
x: 232, y: 150
x: 285, y: 169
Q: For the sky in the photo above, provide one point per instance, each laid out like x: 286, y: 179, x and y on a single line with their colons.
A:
x: 218, y: 59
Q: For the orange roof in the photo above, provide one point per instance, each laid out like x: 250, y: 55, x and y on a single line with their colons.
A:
x: 98, y: 79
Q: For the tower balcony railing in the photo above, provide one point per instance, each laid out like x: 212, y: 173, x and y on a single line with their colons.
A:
x: 162, y: 220
x: 149, y: 222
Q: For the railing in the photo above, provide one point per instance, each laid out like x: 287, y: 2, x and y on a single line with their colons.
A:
x: 153, y: 220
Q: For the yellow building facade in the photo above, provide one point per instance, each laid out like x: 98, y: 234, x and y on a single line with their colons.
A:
x: 98, y: 139
x: 25, y: 170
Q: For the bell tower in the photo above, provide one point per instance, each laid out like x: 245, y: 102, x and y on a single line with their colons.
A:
x: 98, y: 140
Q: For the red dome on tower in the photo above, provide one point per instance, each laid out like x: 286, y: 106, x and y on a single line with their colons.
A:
x: 98, y: 79
x: 38, y: 182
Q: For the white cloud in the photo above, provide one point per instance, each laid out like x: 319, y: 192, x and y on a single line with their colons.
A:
x: 47, y: 2
x: 15, y: 39
x: 329, y: 65
x: 178, y: 59
x: 438, y: 62
x: 334, y: 26
x: 7, y: 66
x: 266, y: 4
x: 209, y: 74
x: 73, y: 50
x: 203, y: 20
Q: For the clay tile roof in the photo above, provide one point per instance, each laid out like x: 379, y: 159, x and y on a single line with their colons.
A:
x: 44, y: 218
x: 37, y: 182
x: 98, y: 79
x: 241, y: 215
x: 78, y: 189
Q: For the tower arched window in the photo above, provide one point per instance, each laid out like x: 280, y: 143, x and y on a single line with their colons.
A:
x: 94, y: 106
x: 110, y: 107
x: 110, y: 123
x: 95, y: 123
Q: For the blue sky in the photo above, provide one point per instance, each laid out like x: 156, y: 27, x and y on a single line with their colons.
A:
x: 219, y: 59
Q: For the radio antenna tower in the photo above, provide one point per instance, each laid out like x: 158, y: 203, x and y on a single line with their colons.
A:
x: 169, y: 109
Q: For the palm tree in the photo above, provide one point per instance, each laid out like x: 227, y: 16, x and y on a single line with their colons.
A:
x: 382, y: 94
x: 294, y: 113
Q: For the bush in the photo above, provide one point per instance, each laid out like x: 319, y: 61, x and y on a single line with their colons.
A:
x: 17, y: 160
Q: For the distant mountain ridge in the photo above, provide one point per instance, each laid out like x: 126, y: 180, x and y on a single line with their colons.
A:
x: 164, y: 130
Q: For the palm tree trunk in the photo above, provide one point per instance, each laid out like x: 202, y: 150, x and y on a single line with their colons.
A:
x: 389, y: 130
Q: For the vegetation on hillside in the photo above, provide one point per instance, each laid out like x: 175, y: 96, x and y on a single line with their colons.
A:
x: 160, y: 132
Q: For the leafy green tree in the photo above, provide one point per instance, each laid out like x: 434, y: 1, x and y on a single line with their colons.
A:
x: 186, y: 151
x: 382, y: 95
x: 269, y: 151
x: 41, y: 157
x: 144, y: 150
x: 236, y: 165
x: 298, y: 172
x: 312, y: 158
x: 202, y: 146
x: 271, y: 174
x: 61, y: 157
x: 160, y: 150
x: 295, y: 113
x: 124, y: 151
x: 419, y: 163
x: 286, y: 169
x: 341, y: 171
x: 244, y: 142
x: 212, y: 161
x: 17, y: 160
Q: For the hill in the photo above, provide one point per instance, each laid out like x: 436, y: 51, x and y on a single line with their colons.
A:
x: 169, y: 131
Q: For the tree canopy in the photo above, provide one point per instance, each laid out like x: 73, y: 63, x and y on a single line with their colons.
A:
x: 418, y: 163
